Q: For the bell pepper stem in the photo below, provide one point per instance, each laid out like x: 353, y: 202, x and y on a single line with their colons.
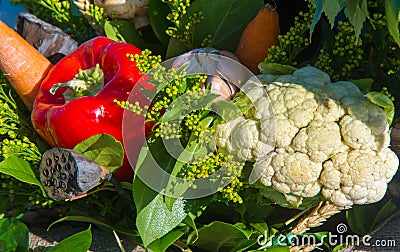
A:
x: 86, y: 82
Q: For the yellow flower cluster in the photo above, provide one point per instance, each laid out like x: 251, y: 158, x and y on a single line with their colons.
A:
x: 168, y: 130
x: 184, y: 24
x: 294, y: 41
x: 386, y: 92
x: 145, y: 61
x: 203, y: 167
x: 96, y: 14
x: 135, y: 108
x: 343, y: 59
x: 23, y: 148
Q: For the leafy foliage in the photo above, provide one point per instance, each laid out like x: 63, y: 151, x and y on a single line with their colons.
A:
x: 103, y: 149
x: 357, y: 12
x: 14, y: 235
x: 79, y: 242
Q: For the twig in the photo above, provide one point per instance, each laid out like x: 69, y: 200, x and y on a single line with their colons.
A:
x: 303, y: 248
x: 316, y: 217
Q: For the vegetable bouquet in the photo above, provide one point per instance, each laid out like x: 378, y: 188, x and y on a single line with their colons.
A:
x: 204, y: 125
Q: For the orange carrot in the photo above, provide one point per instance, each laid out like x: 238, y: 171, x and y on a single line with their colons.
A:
x: 258, y: 36
x: 22, y: 64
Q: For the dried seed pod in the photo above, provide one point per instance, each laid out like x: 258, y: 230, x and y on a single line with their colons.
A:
x: 65, y: 174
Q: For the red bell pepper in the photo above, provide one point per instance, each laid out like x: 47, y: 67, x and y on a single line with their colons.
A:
x: 65, y: 123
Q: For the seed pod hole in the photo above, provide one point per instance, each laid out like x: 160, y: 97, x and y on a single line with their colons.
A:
x: 63, y: 176
x: 46, y: 172
x: 53, y: 182
x: 62, y: 185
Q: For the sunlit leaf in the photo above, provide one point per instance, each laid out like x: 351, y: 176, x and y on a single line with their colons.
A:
x: 392, y: 8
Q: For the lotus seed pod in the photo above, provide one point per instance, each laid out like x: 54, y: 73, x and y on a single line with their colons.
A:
x: 65, y: 174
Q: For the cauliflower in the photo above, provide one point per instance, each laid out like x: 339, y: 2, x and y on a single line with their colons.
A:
x: 308, y: 136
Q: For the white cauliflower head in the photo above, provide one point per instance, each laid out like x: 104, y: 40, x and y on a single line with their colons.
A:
x: 322, y: 138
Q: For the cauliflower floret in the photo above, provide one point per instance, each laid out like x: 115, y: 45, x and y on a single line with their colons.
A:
x: 295, y: 173
x: 328, y: 110
x: 358, y: 176
x: 293, y: 102
x: 320, y: 140
x: 262, y: 108
x: 223, y: 133
x: 312, y: 76
x: 245, y: 135
x: 253, y: 89
x: 264, y: 170
x: 267, y: 78
x: 373, y: 116
x: 356, y: 134
x: 241, y: 137
x: 285, y: 132
x: 344, y: 89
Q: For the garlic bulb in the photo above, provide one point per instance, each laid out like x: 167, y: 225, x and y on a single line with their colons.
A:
x: 124, y: 9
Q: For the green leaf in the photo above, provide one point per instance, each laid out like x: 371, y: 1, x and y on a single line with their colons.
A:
x: 330, y: 7
x: 364, y: 219
x: 364, y: 84
x: 221, y: 236
x: 94, y: 222
x: 175, y: 48
x: 317, y: 15
x: 156, y: 220
x: 21, y: 170
x: 158, y: 11
x: 227, y: 110
x: 388, y: 209
x: 224, y: 20
x: 357, y: 12
x: 384, y: 102
x: 79, y: 242
x: 340, y: 247
x: 123, y: 31
x: 14, y: 235
x: 74, y: 10
x: 142, y: 194
x: 153, y: 155
x: 161, y: 245
x: 275, y: 68
x: 392, y: 9
x: 278, y: 249
x: 194, y: 235
x: 104, y: 149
